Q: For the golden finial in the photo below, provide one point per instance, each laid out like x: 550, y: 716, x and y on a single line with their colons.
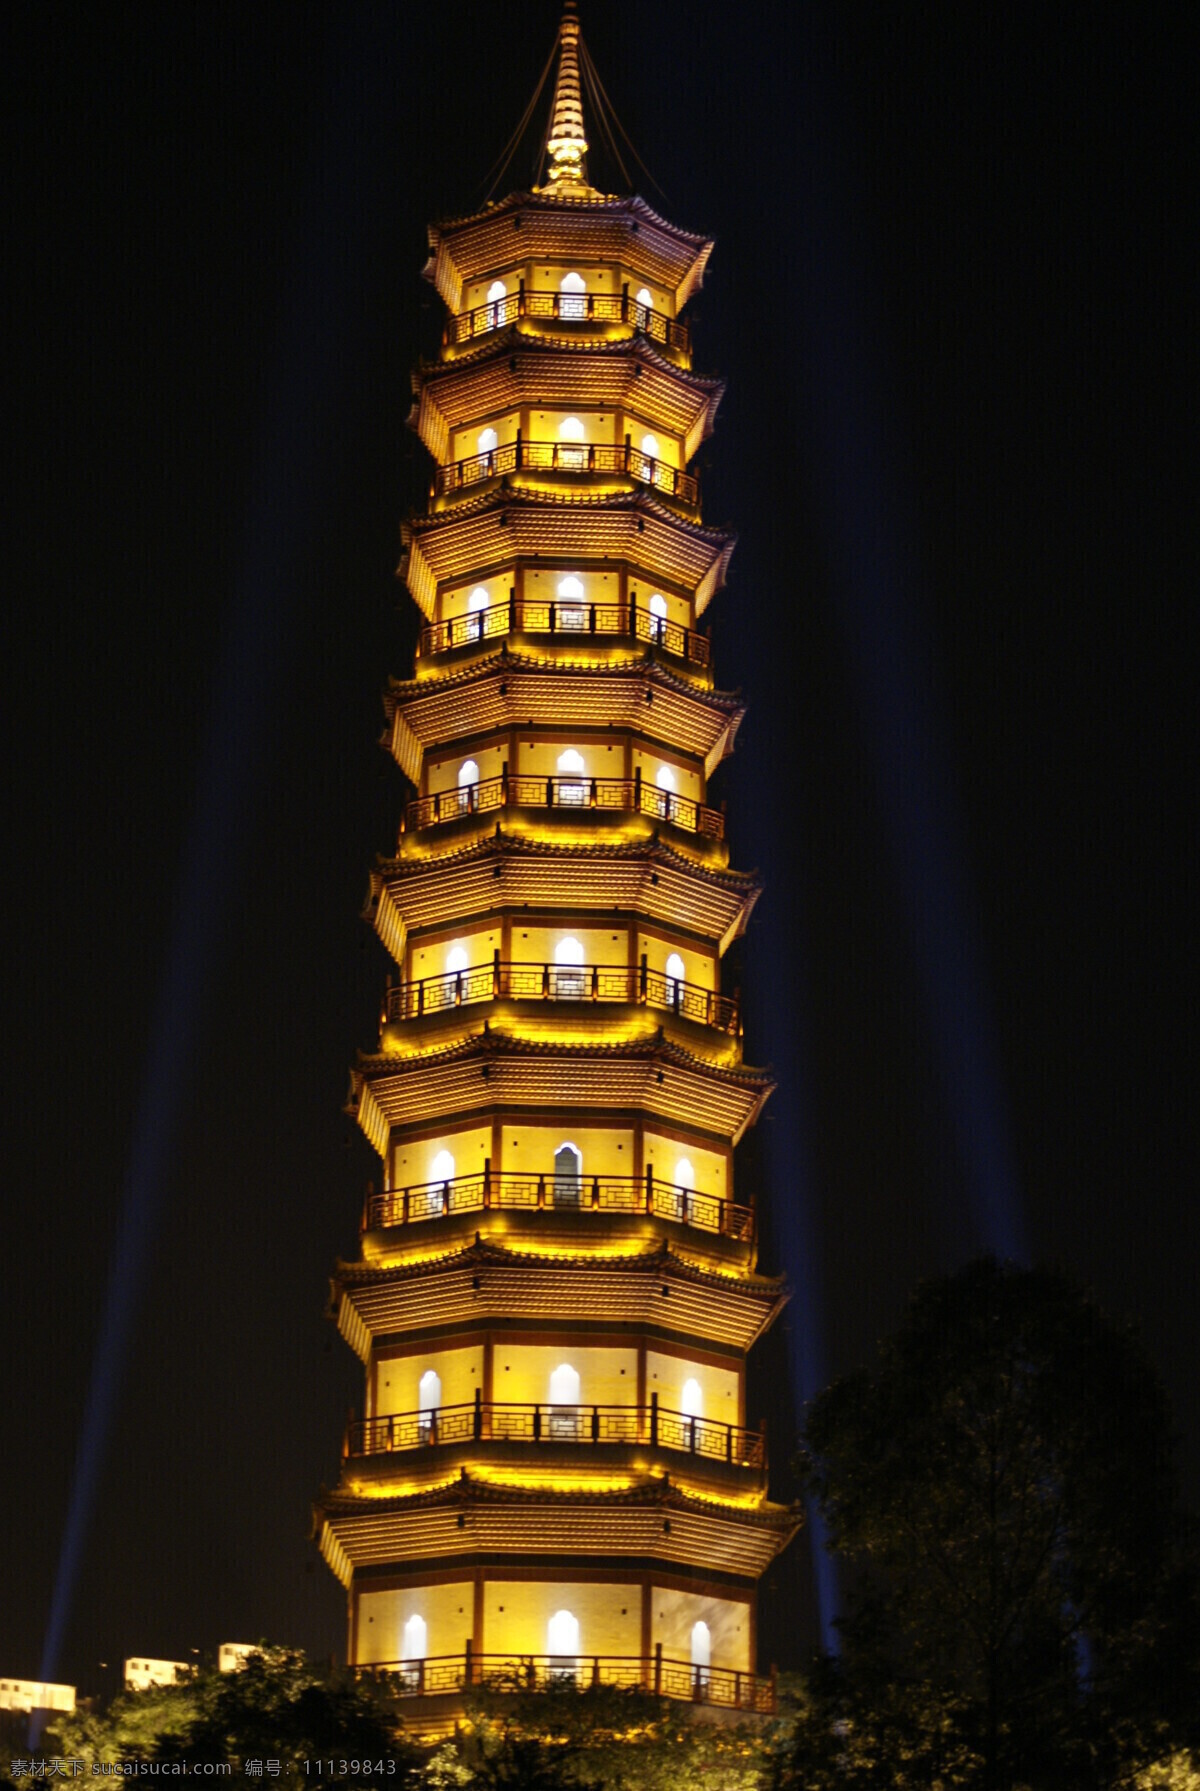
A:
x: 566, y: 142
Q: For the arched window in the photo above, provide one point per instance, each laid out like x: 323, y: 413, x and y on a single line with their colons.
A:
x: 565, y: 1420
x: 570, y: 611
x: 442, y: 1167
x: 568, y: 980
x: 571, y: 452
x: 685, y: 1175
x: 568, y: 1175
x: 562, y: 1644
x: 497, y: 309
x: 664, y: 777
x: 429, y: 1398
x: 676, y: 969
x: 488, y: 442
x: 477, y: 603
x: 457, y: 961
x: 645, y: 299
x: 650, y: 448
x: 415, y: 1638
x: 570, y: 766
x: 691, y: 1399
x: 572, y: 303
x: 658, y: 613
x: 701, y: 1655
x: 468, y: 777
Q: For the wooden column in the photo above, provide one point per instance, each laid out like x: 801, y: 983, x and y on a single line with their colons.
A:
x: 497, y: 1144
x: 647, y: 1619
x: 639, y: 1147
x: 641, y: 1373
x: 477, y: 1614
x: 489, y: 1373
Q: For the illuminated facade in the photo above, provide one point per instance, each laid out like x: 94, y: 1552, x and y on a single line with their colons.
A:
x: 556, y: 1293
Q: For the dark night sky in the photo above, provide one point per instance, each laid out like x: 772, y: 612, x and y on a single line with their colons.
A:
x: 969, y: 224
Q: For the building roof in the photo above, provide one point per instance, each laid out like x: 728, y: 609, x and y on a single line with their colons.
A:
x: 603, y: 227
x: 512, y: 690
x: 508, y: 870
x: 474, y: 536
x: 510, y: 370
x: 496, y: 1066
x: 652, y: 1519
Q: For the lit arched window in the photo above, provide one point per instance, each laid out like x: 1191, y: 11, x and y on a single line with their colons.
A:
x: 570, y: 766
x: 664, y: 777
x: 658, y: 605
x: 562, y: 1643
x: 676, y: 970
x: 570, y: 594
x: 701, y: 1654
x: 571, y: 452
x: 496, y: 310
x: 488, y: 442
x: 572, y: 302
x: 568, y: 971
x: 650, y: 447
x: 564, y: 1403
x: 457, y: 960
x: 442, y: 1167
x: 645, y: 297
x: 685, y: 1175
x: 479, y: 599
x: 568, y: 1174
x: 415, y: 1638
x: 468, y: 777
x: 429, y: 1398
x: 691, y: 1399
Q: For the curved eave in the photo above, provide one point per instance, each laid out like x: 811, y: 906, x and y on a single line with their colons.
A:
x: 601, y: 228
x: 651, y: 1520
x: 509, y: 690
x: 513, y: 370
x: 652, y: 1288
x: 500, y: 1068
x: 472, y: 538
x: 503, y: 870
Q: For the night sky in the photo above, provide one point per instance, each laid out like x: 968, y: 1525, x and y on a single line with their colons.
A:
x: 948, y: 295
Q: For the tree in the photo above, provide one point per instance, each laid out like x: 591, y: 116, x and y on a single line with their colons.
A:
x: 1022, y: 1607
x: 277, y: 1706
x: 602, y: 1738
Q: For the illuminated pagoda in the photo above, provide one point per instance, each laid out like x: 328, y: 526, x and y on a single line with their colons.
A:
x: 554, y: 1480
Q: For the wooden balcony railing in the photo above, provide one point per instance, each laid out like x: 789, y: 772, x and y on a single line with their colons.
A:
x: 656, y: 1673
x: 480, y: 1422
x: 519, y: 615
x: 623, y: 459
x: 502, y: 979
x: 495, y: 1191
x: 567, y: 307
x: 573, y: 791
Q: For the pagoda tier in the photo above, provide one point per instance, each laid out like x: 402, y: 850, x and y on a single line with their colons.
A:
x: 557, y: 1283
x: 651, y: 1289
x: 651, y: 1074
x: 642, y: 1519
x: 540, y: 377
x: 631, y: 530
x: 620, y: 234
x: 513, y: 692
x: 502, y: 873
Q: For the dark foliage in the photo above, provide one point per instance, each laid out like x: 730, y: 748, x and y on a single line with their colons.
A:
x: 1023, y: 1607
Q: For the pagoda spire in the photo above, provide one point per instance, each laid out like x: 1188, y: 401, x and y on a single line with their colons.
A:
x: 566, y: 142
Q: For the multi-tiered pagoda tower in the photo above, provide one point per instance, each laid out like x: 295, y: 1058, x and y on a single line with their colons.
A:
x: 555, y: 1477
